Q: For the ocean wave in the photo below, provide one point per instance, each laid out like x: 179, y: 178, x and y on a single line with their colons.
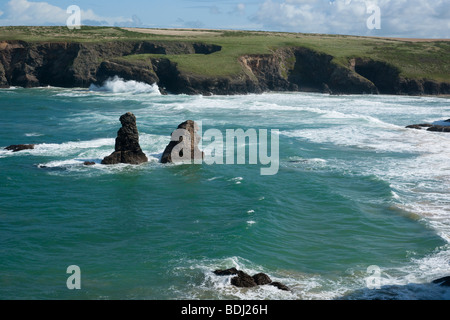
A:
x: 119, y: 85
x: 90, y: 149
x: 10, y: 88
x: 78, y: 152
x: 374, y: 135
x: 403, y: 283
x: 33, y: 134
x: 412, y: 281
x: 206, y: 285
x: 70, y: 156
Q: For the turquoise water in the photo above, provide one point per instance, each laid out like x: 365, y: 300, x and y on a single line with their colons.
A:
x: 354, y: 189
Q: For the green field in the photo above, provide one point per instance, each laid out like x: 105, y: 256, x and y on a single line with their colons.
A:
x: 414, y: 59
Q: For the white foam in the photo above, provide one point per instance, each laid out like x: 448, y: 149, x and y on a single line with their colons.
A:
x: 219, y: 287
x: 118, y: 85
x: 33, y: 134
x: 73, y: 94
x: 72, y: 155
x: 237, y: 180
x: 72, y: 147
x: 420, y: 180
x: 409, y: 282
x: 61, y: 163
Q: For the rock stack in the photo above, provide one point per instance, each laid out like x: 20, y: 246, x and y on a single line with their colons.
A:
x: 183, y: 146
x: 127, y: 148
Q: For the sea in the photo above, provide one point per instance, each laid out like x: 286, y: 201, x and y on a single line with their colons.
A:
x: 359, y: 208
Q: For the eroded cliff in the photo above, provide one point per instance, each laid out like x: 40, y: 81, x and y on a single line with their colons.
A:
x: 61, y: 64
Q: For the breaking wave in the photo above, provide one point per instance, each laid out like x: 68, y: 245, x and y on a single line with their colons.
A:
x: 119, y: 85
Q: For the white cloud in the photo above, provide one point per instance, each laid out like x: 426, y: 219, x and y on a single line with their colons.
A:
x: 409, y: 18
x: 238, y: 9
x: 24, y: 12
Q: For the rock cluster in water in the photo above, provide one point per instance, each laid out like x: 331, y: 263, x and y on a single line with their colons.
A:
x: 182, y: 147
x: 184, y: 144
x: 439, y: 126
x: 127, y: 148
x: 244, y: 280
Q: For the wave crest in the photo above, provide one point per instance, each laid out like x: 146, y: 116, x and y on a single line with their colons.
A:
x: 119, y: 85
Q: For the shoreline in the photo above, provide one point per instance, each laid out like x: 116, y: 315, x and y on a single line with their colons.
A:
x: 86, y: 89
x: 224, y: 62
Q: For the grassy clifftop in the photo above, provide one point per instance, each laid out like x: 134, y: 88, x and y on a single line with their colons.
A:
x: 413, y: 58
x: 224, y: 61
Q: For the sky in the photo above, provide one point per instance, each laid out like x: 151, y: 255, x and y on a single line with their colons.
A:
x: 394, y: 18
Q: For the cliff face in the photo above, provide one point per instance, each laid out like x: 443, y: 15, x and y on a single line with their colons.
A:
x: 387, y: 79
x: 288, y: 69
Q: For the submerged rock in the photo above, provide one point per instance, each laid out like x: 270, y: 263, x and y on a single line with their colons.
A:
x: 432, y: 127
x: 445, y: 281
x: 439, y: 128
x: 127, y: 148
x: 419, y: 126
x: 19, y: 147
x: 279, y: 286
x: 184, y: 144
x: 89, y: 163
x: 226, y: 272
x: 244, y: 280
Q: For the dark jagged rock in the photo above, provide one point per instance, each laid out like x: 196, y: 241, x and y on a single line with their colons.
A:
x: 262, y: 279
x: 439, y: 128
x: 243, y: 280
x: 431, y: 127
x: 183, y: 145
x: 127, y: 148
x: 445, y: 281
x: 226, y: 272
x: 279, y: 286
x: 419, y: 126
x: 19, y: 147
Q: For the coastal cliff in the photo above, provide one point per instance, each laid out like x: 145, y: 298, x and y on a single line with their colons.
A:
x: 291, y: 68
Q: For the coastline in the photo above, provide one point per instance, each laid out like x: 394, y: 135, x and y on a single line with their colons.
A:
x: 223, y: 63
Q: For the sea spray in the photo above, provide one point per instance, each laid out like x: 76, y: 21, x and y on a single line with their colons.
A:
x: 119, y: 85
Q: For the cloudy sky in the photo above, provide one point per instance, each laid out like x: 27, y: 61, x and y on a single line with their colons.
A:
x: 398, y: 18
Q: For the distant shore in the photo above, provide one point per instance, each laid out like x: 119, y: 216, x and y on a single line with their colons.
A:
x: 224, y: 62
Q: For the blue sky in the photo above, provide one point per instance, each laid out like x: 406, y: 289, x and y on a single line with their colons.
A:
x: 397, y: 18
